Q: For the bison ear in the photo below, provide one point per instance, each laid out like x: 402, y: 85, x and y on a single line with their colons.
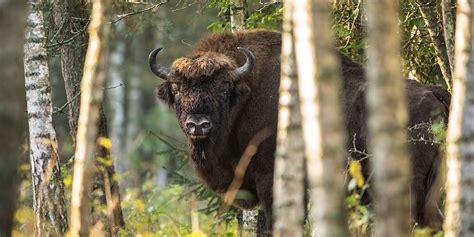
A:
x: 163, y: 92
x: 240, y: 93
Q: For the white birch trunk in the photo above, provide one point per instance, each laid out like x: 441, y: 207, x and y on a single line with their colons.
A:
x: 324, y: 135
x: 387, y: 120
x: 238, y: 13
x: 448, y: 30
x: 48, y: 194
x: 332, y: 214
x: 288, y: 188
x: 460, y: 160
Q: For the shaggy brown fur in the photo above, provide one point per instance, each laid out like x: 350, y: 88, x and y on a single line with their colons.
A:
x: 201, y: 84
x: 205, y: 64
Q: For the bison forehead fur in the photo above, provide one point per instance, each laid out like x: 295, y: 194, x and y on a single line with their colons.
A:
x: 241, y: 108
x: 202, y: 65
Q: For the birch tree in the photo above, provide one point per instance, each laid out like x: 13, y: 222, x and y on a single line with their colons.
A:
x: 333, y: 134
x: 238, y: 14
x: 460, y: 149
x: 387, y: 120
x: 288, y: 188
x: 48, y: 193
x: 447, y: 11
x: 91, y: 98
x: 12, y: 112
x: 324, y: 136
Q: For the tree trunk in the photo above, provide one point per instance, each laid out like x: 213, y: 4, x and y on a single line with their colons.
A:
x: 91, y: 98
x: 429, y: 11
x: 319, y: 84
x: 116, y: 100
x: 134, y: 102
x: 387, y: 120
x: 238, y: 14
x: 460, y: 160
x: 447, y: 9
x: 70, y: 18
x: 288, y: 189
x: 12, y: 111
x: 105, y: 180
x: 48, y: 191
x: 333, y: 135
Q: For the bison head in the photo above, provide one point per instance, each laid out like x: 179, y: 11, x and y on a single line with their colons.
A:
x: 205, y: 91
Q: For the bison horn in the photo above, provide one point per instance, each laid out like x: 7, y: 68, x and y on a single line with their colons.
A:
x: 247, y: 67
x: 158, y: 70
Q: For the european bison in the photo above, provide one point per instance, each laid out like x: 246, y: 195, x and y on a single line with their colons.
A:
x: 227, y: 91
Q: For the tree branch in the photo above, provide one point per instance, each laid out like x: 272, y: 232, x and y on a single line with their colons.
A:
x: 123, y: 16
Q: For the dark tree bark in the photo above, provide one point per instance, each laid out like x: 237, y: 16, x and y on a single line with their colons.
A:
x: 72, y: 19
x: 429, y: 10
x: 12, y: 113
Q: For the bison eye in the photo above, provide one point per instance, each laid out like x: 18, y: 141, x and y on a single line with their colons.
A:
x: 225, y: 94
x: 176, y: 94
x: 174, y: 90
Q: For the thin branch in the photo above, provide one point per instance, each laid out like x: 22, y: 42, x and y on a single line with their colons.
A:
x: 61, y: 109
x: 243, y: 164
x: 123, y: 16
x: 160, y: 137
x: 80, y: 32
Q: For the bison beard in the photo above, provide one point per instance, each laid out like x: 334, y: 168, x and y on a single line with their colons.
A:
x: 246, y: 99
x: 198, y: 151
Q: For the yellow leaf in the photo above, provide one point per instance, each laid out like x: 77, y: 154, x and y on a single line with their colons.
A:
x: 143, y: 234
x: 355, y: 170
x: 105, y: 161
x: 24, y: 215
x: 105, y: 142
x: 68, y: 181
x: 140, y: 205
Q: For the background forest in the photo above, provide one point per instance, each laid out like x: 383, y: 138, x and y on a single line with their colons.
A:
x: 141, y: 147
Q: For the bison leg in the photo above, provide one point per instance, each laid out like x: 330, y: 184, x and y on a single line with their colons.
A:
x: 432, y: 216
x: 264, y: 184
x: 426, y: 186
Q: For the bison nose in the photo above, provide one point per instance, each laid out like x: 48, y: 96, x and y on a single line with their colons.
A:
x: 198, y: 125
